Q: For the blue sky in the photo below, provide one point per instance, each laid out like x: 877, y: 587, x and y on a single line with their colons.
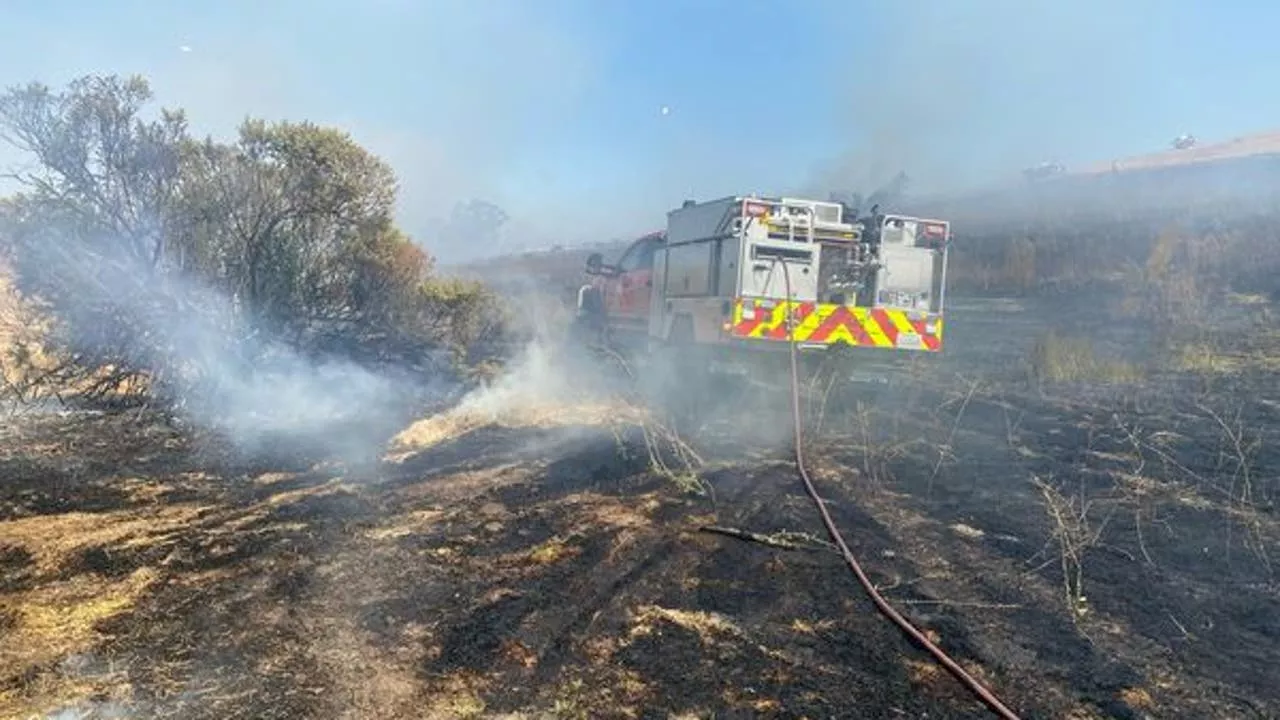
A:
x: 552, y: 107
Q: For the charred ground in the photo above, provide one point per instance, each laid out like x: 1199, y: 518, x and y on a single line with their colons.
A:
x: 1090, y: 547
x: 1077, y: 499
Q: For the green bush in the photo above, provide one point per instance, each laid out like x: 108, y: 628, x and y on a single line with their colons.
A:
x: 133, y: 234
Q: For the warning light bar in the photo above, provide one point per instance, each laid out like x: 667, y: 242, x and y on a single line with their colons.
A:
x: 935, y: 234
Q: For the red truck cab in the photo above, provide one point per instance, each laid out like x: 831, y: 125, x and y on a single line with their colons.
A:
x: 623, y: 291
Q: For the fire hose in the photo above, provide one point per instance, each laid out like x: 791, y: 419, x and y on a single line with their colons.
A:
x: 985, y: 695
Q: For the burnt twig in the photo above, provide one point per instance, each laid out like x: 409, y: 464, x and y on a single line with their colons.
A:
x: 783, y: 540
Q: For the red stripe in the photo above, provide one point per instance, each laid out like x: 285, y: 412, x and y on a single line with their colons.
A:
x: 841, y: 316
x: 779, y: 331
x: 860, y: 336
x: 827, y: 326
x: 887, y: 325
x: 931, y: 342
x: 747, y: 326
x: 798, y: 314
x: 803, y: 311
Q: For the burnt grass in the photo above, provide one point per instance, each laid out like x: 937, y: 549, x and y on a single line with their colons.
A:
x: 548, y: 572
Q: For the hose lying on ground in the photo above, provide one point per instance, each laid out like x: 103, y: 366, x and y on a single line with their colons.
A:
x: 883, y: 605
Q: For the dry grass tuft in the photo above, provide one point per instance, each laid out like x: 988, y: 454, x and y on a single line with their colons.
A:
x: 1203, y: 359
x: 1058, y: 358
x: 708, y: 625
x: 412, y: 523
x: 453, y: 424
x: 53, y: 540
x: 429, y: 432
x: 804, y: 627
x: 60, y: 620
x: 64, y: 614
x: 553, y: 551
x: 268, y: 479
x: 61, y: 617
x: 1137, y: 698
x: 923, y: 672
x: 595, y: 511
x: 967, y: 531
x: 457, y: 697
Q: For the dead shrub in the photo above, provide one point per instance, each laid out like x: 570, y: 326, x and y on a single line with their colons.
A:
x: 1074, y: 532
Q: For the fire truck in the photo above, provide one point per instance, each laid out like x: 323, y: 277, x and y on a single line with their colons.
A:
x: 731, y: 282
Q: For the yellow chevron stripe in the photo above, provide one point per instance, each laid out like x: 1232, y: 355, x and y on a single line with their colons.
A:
x: 841, y: 334
x: 872, y: 328
x: 776, y: 318
x: 809, y: 325
x: 900, y: 321
x: 804, y: 330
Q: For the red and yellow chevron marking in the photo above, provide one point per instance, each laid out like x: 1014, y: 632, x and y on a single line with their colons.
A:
x: 830, y: 324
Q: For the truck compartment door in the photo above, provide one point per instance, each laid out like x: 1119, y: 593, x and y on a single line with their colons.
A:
x: 906, y: 278
x: 762, y: 271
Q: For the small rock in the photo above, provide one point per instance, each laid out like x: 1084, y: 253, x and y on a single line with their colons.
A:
x: 493, y: 527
